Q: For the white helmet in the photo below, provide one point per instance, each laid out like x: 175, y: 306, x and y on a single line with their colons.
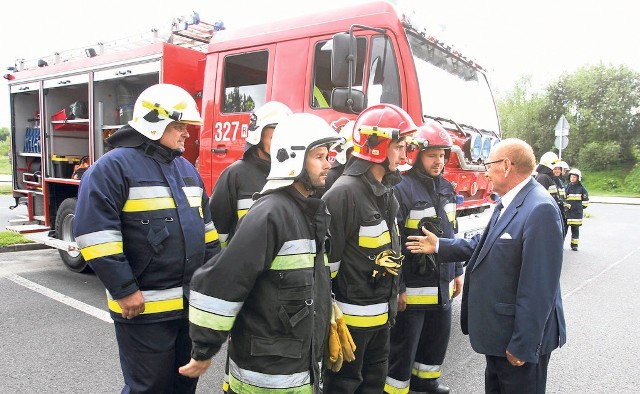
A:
x: 548, y: 160
x: 346, y: 133
x: 292, y: 139
x: 577, y: 172
x: 268, y: 115
x: 161, y: 104
x: 563, y: 164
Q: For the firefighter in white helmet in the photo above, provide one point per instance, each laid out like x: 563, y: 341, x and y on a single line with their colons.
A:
x: 231, y: 196
x: 270, y: 287
x: 545, y: 176
x: 365, y: 255
x: 143, y: 225
x: 578, y: 200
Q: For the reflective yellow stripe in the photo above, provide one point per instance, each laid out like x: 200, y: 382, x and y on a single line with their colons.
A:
x: 422, y: 295
x: 364, y: 315
x: 451, y: 289
x: 393, y: 386
x: 210, y: 320
x: 574, y: 222
x: 292, y: 262
x: 241, y: 213
x: 210, y: 236
x: 450, y: 211
x: 375, y: 242
x: 101, y: 250
x: 334, y: 267
x: 149, y: 198
x: 574, y: 197
x: 423, y: 371
x: 148, y: 204
x: 252, y: 382
x: 152, y: 306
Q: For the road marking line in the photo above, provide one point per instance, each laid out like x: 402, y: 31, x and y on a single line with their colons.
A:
x: 72, y: 302
x: 586, y: 282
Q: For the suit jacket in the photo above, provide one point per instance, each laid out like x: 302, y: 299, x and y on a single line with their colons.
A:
x: 511, y: 297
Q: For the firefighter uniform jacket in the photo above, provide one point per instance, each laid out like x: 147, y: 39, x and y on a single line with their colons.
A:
x: 270, y: 287
x: 578, y: 198
x: 363, y: 225
x: 546, y: 178
x: 142, y: 223
x: 232, y: 195
x: 422, y: 196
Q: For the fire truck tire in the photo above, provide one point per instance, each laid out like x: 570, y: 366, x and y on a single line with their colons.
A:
x: 64, y: 231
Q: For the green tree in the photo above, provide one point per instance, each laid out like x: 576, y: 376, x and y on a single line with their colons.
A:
x: 601, y: 103
x: 4, y: 133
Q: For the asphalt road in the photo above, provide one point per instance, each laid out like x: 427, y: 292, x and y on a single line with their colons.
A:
x: 55, y: 336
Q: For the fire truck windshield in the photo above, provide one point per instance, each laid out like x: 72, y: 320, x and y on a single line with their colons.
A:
x: 451, y: 88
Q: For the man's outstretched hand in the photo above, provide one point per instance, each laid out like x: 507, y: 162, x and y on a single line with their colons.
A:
x: 422, y: 244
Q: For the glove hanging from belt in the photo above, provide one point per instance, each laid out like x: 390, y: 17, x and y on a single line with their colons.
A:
x: 340, y: 346
x: 387, y: 261
x: 427, y: 262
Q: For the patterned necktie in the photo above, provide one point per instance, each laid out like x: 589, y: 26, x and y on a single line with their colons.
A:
x: 496, y: 213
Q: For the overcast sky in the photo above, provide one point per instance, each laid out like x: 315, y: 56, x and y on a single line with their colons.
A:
x: 544, y: 38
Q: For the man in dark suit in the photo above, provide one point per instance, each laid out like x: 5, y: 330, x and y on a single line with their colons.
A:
x: 511, y: 301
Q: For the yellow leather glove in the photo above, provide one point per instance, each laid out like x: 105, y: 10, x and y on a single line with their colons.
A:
x: 390, y: 261
x: 346, y: 341
x: 334, y: 339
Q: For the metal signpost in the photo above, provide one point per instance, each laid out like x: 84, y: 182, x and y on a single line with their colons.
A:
x: 562, y: 135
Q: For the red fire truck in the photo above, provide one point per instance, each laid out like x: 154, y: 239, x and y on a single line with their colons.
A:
x: 333, y: 64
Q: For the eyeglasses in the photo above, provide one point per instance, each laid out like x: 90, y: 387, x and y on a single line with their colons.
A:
x: 487, y: 164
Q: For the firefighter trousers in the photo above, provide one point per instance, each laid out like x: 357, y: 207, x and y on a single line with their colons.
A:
x: 365, y: 374
x: 419, y: 343
x: 150, y: 355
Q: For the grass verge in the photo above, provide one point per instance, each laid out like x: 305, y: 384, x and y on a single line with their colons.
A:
x: 8, y: 238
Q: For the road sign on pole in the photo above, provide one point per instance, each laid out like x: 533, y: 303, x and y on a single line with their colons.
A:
x: 562, y: 135
x: 562, y: 127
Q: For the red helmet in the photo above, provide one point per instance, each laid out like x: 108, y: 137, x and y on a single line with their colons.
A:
x: 429, y: 135
x: 376, y: 127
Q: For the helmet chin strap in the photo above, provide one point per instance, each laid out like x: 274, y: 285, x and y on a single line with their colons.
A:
x: 305, y: 180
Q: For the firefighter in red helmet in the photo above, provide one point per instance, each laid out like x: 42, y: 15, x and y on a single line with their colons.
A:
x: 365, y: 254
x: 420, y: 336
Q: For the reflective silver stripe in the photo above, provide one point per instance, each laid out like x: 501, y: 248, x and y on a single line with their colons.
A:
x: 194, y: 195
x: 209, y: 227
x: 223, y: 237
x: 245, y: 203
x: 264, y: 380
x: 553, y: 189
x: 136, y: 193
x: 424, y: 371
x: 214, y: 305
x: 420, y: 291
x: 192, y: 191
x: 334, y: 267
x: 157, y: 295
x: 419, y: 214
x: 373, y: 231
x: 397, y: 383
x: 297, y: 246
x: 98, y: 237
x: 450, y: 211
x: 363, y: 310
x: 574, y: 197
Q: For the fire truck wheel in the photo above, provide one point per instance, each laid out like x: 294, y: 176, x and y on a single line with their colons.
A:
x: 64, y: 231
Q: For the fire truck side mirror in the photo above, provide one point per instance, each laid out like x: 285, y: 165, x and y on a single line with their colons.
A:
x: 343, y: 65
x: 349, y: 101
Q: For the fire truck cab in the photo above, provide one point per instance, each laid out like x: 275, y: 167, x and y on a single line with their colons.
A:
x: 333, y: 64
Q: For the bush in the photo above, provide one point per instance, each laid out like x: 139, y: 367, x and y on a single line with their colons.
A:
x: 597, y: 156
x: 632, y: 181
